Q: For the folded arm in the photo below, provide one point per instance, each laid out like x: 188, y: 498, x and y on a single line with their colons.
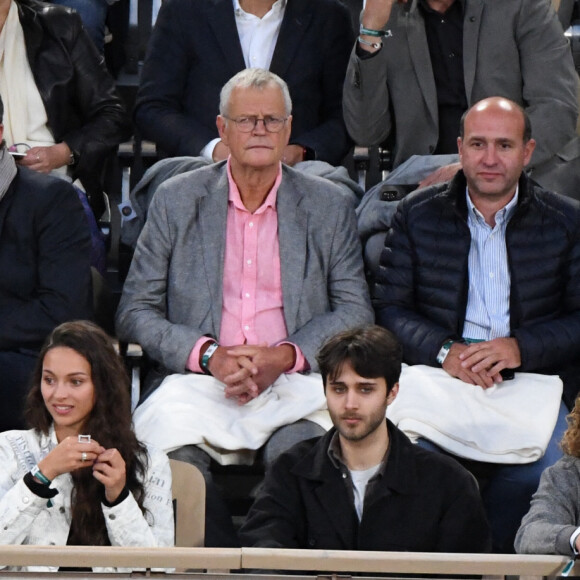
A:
x: 143, y: 315
x: 549, y: 80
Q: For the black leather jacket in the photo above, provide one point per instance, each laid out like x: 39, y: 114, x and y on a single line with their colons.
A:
x: 79, y: 95
x: 421, y: 292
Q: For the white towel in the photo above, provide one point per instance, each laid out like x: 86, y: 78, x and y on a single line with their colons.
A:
x: 191, y: 409
x: 511, y: 422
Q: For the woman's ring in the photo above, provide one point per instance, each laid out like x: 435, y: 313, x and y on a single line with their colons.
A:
x: 83, y: 456
x: 38, y: 157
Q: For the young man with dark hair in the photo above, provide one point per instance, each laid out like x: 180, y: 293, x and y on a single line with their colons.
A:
x: 363, y: 485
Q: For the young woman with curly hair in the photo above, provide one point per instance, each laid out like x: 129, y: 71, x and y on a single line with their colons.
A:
x: 552, y: 526
x: 80, y: 476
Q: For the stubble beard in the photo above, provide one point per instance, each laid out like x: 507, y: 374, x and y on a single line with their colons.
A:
x: 360, y: 431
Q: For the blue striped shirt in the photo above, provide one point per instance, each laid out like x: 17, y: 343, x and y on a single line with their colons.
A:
x: 488, y: 301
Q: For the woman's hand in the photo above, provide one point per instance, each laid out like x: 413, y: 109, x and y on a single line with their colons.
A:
x: 109, y: 469
x: 45, y: 159
x: 68, y: 455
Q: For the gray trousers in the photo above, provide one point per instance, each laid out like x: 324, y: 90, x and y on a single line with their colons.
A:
x: 219, y: 528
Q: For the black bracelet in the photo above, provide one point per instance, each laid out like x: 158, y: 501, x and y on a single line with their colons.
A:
x: 39, y: 489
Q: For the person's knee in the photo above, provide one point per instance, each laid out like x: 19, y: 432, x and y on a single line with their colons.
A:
x: 196, y: 456
x: 287, y: 436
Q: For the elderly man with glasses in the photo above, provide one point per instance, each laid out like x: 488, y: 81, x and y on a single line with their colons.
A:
x: 243, y: 269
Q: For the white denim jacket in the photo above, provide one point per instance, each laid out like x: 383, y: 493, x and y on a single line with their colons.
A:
x: 25, y: 518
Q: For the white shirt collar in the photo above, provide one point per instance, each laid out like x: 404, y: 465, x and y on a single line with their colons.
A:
x: 501, y: 216
x: 277, y: 7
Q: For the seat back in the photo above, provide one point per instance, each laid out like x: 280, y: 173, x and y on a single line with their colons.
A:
x: 188, y: 489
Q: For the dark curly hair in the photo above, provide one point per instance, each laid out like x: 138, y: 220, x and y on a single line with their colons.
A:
x: 571, y: 439
x: 109, y: 423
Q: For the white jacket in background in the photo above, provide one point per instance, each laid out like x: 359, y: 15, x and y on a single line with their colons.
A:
x: 25, y: 518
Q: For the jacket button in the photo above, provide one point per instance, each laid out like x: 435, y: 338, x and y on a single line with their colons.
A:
x: 472, y: 19
x: 311, y: 542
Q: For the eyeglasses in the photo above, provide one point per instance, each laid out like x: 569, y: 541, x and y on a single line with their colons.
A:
x: 248, y: 124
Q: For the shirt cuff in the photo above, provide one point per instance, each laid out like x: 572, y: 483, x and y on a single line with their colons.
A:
x: 365, y: 54
x: 122, y: 497
x: 573, y: 541
x: 193, y: 360
x: 207, y: 151
x: 39, y: 489
x: 301, y: 364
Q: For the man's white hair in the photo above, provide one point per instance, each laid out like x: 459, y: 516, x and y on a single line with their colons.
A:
x: 255, y: 78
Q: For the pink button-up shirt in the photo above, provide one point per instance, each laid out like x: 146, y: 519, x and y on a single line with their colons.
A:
x: 253, y: 309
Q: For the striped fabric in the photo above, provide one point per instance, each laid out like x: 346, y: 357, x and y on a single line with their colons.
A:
x: 7, y: 170
x: 487, y: 315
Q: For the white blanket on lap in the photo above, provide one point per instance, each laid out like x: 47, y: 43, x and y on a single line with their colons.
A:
x: 191, y: 409
x: 511, y: 422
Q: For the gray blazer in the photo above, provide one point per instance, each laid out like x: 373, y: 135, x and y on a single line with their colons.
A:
x: 555, y: 511
x: 173, y: 293
x: 511, y: 48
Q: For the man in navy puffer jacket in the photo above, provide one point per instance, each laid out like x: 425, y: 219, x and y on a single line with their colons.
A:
x: 482, y: 277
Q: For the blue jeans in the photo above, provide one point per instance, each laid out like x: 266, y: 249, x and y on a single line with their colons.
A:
x: 93, y: 13
x: 506, y: 490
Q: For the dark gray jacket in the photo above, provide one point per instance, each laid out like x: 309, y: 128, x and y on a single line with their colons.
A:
x: 512, y: 48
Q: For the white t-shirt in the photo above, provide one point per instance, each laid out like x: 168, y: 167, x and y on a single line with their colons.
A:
x: 360, y: 480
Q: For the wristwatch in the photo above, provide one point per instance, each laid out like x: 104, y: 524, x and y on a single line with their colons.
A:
x: 207, y: 355
x: 73, y: 158
x: 444, y: 351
